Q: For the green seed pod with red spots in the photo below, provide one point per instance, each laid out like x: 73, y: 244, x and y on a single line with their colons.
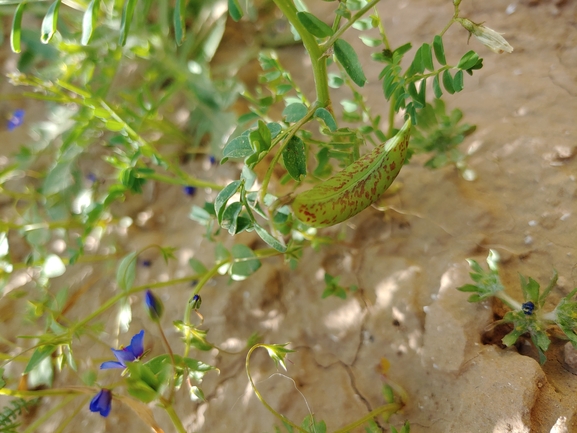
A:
x: 356, y: 187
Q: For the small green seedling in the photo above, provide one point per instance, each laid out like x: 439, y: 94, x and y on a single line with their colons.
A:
x: 528, y: 317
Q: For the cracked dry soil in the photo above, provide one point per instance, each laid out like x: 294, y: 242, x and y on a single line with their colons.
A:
x: 407, y: 261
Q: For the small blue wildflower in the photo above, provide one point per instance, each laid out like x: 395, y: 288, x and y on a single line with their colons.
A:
x: 91, y: 177
x: 212, y: 159
x: 130, y: 353
x: 102, y: 402
x: 196, y: 301
x: 154, y: 306
x: 189, y: 190
x: 16, y: 119
x: 528, y: 308
x: 147, y: 263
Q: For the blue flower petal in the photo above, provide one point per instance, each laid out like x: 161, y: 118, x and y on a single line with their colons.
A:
x: 136, y: 345
x: 124, y: 355
x: 130, y: 353
x: 154, y: 306
x: 16, y: 120
x: 102, y: 402
x: 111, y: 364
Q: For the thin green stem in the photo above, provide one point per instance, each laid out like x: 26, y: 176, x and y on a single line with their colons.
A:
x: 171, y: 354
x: 290, y: 134
x: 391, y: 116
x: 47, y: 392
x: 315, y: 52
x: 147, y: 148
x: 551, y: 316
x: 387, y: 408
x: 64, y: 423
x: 259, y: 396
x: 508, y: 300
x: 37, y: 423
x: 132, y: 291
x: 382, y: 31
x: 173, y: 416
x: 450, y: 23
x: 43, y: 225
x: 188, y: 309
x: 191, y: 181
x: 328, y: 44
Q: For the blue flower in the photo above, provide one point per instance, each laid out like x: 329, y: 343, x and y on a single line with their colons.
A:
x: 212, y: 159
x: 196, y: 301
x: 189, y: 190
x: 528, y: 308
x: 102, y: 402
x: 153, y: 306
x: 130, y: 353
x: 16, y: 119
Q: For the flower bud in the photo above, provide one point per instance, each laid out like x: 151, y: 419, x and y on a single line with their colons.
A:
x: 528, y: 308
x: 189, y: 190
x: 195, y: 302
x: 488, y: 37
x: 154, y: 306
x: 102, y: 402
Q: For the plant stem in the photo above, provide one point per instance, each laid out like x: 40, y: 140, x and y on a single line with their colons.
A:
x: 190, y: 181
x: 349, y: 23
x: 204, y: 278
x: 173, y: 416
x: 391, y: 116
x: 136, y: 289
x: 450, y: 23
x: 47, y: 392
x: 37, y: 423
x: 188, y: 309
x: 507, y: 300
x: 292, y: 131
x: 64, y: 423
x: 171, y: 354
x: 147, y: 149
x: 382, y: 31
x: 551, y: 316
x: 391, y: 408
x: 259, y: 396
x: 315, y: 52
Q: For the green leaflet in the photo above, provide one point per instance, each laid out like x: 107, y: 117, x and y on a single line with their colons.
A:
x: 49, y: 22
x: 348, y: 58
x: 17, y: 28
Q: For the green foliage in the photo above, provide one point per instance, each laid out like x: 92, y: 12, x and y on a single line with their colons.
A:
x: 115, y: 79
x: 440, y: 134
x: 10, y: 413
x: 529, y: 317
x: 333, y: 288
x: 488, y: 283
x: 347, y: 57
x: 277, y: 353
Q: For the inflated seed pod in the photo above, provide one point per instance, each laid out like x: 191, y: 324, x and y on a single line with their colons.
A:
x: 356, y: 187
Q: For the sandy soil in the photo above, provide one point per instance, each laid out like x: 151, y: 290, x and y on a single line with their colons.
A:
x: 407, y: 262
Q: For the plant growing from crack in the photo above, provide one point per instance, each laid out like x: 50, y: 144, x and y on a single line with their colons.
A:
x: 529, y: 317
